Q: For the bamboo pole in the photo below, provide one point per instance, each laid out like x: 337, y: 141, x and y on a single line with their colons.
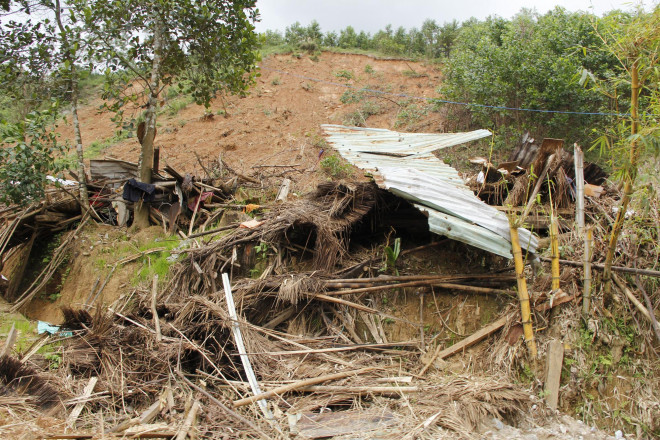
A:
x: 578, y: 160
x: 523, y: 295
x: 586, y: 283
x: 154, y: 312
x: 300, y: 384
x: 628, y: 186
x: 554, y: 241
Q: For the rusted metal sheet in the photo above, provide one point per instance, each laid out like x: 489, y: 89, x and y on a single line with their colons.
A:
x: 403, y: 163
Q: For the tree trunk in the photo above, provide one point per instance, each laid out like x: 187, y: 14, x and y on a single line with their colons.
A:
x: 629, y: 177
x: 147, y: 153
x: 82, y: 178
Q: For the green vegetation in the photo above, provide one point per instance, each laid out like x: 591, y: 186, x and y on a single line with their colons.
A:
x: 359, y: 117
x: 391, y: 256
x: 176, y: 105
x: 345, y: 74
x: 95, y: 148
x: 335, y: 167
x: 351, y: 96
x: 30, y: 148
x: 410, y: 114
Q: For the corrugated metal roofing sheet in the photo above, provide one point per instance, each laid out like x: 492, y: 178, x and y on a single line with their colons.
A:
x: 403, y: 164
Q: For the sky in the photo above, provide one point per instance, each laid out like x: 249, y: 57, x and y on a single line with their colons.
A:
x: 373, y: 15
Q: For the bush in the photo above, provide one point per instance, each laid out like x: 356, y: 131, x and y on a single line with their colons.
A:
x: 344, y: 74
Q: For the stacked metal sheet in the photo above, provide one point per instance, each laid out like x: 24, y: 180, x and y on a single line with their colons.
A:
x: 403, y: 163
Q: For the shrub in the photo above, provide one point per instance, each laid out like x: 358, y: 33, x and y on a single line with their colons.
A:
x: 335, y: 167
x: 344, y: 74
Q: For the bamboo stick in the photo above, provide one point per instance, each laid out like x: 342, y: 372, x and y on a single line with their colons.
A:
x: 586, y: 284
x: 523, y: 295
x: 643, y: 310
x: 476, y: 289
x: 389, y: 278
x: 229, y: 411
x: 646, y: 272
x: 649, y: 305
x: 382, y: 390
x: 154, y: 312
x: 629, y: 178
x: 537, y: 188
x: 188, y: 422
x: 300, y: 384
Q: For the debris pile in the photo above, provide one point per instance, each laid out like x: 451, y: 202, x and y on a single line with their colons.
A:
x: 536, y: 175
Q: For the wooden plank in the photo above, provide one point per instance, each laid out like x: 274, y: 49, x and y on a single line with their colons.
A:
x: 470, y: 340
x: 553, y: 372
x: 71, y: 420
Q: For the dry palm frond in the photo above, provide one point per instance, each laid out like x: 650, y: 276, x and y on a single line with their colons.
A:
x: 25, y: 380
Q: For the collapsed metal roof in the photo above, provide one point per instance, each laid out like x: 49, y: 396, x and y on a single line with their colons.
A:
x: 403, y: 163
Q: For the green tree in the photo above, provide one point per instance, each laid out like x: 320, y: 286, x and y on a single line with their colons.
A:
x: 528, y: 62
x: 313, y: 32
x: 347, y: 38
x: 207, y: 45
x: 295, y: 34
x: 28, y: 155
x: 447, y: 36
x: 39, y: 59
x: 331, y: 39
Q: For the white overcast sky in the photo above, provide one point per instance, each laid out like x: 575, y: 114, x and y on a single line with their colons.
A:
x: 373, y: 15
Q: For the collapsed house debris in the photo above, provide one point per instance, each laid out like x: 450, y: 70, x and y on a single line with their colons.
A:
x: 283, y: 325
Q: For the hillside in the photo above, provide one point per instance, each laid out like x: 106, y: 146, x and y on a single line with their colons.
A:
x: 278, y: 123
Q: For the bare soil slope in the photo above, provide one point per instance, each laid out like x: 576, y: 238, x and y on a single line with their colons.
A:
x: 278, y: 123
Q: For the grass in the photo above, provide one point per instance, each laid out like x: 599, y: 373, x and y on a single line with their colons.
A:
x: 410, y: 114
x: 94, y: 149
x: 176, y: 105
x: 359, y: 117
x: 158, y: 263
